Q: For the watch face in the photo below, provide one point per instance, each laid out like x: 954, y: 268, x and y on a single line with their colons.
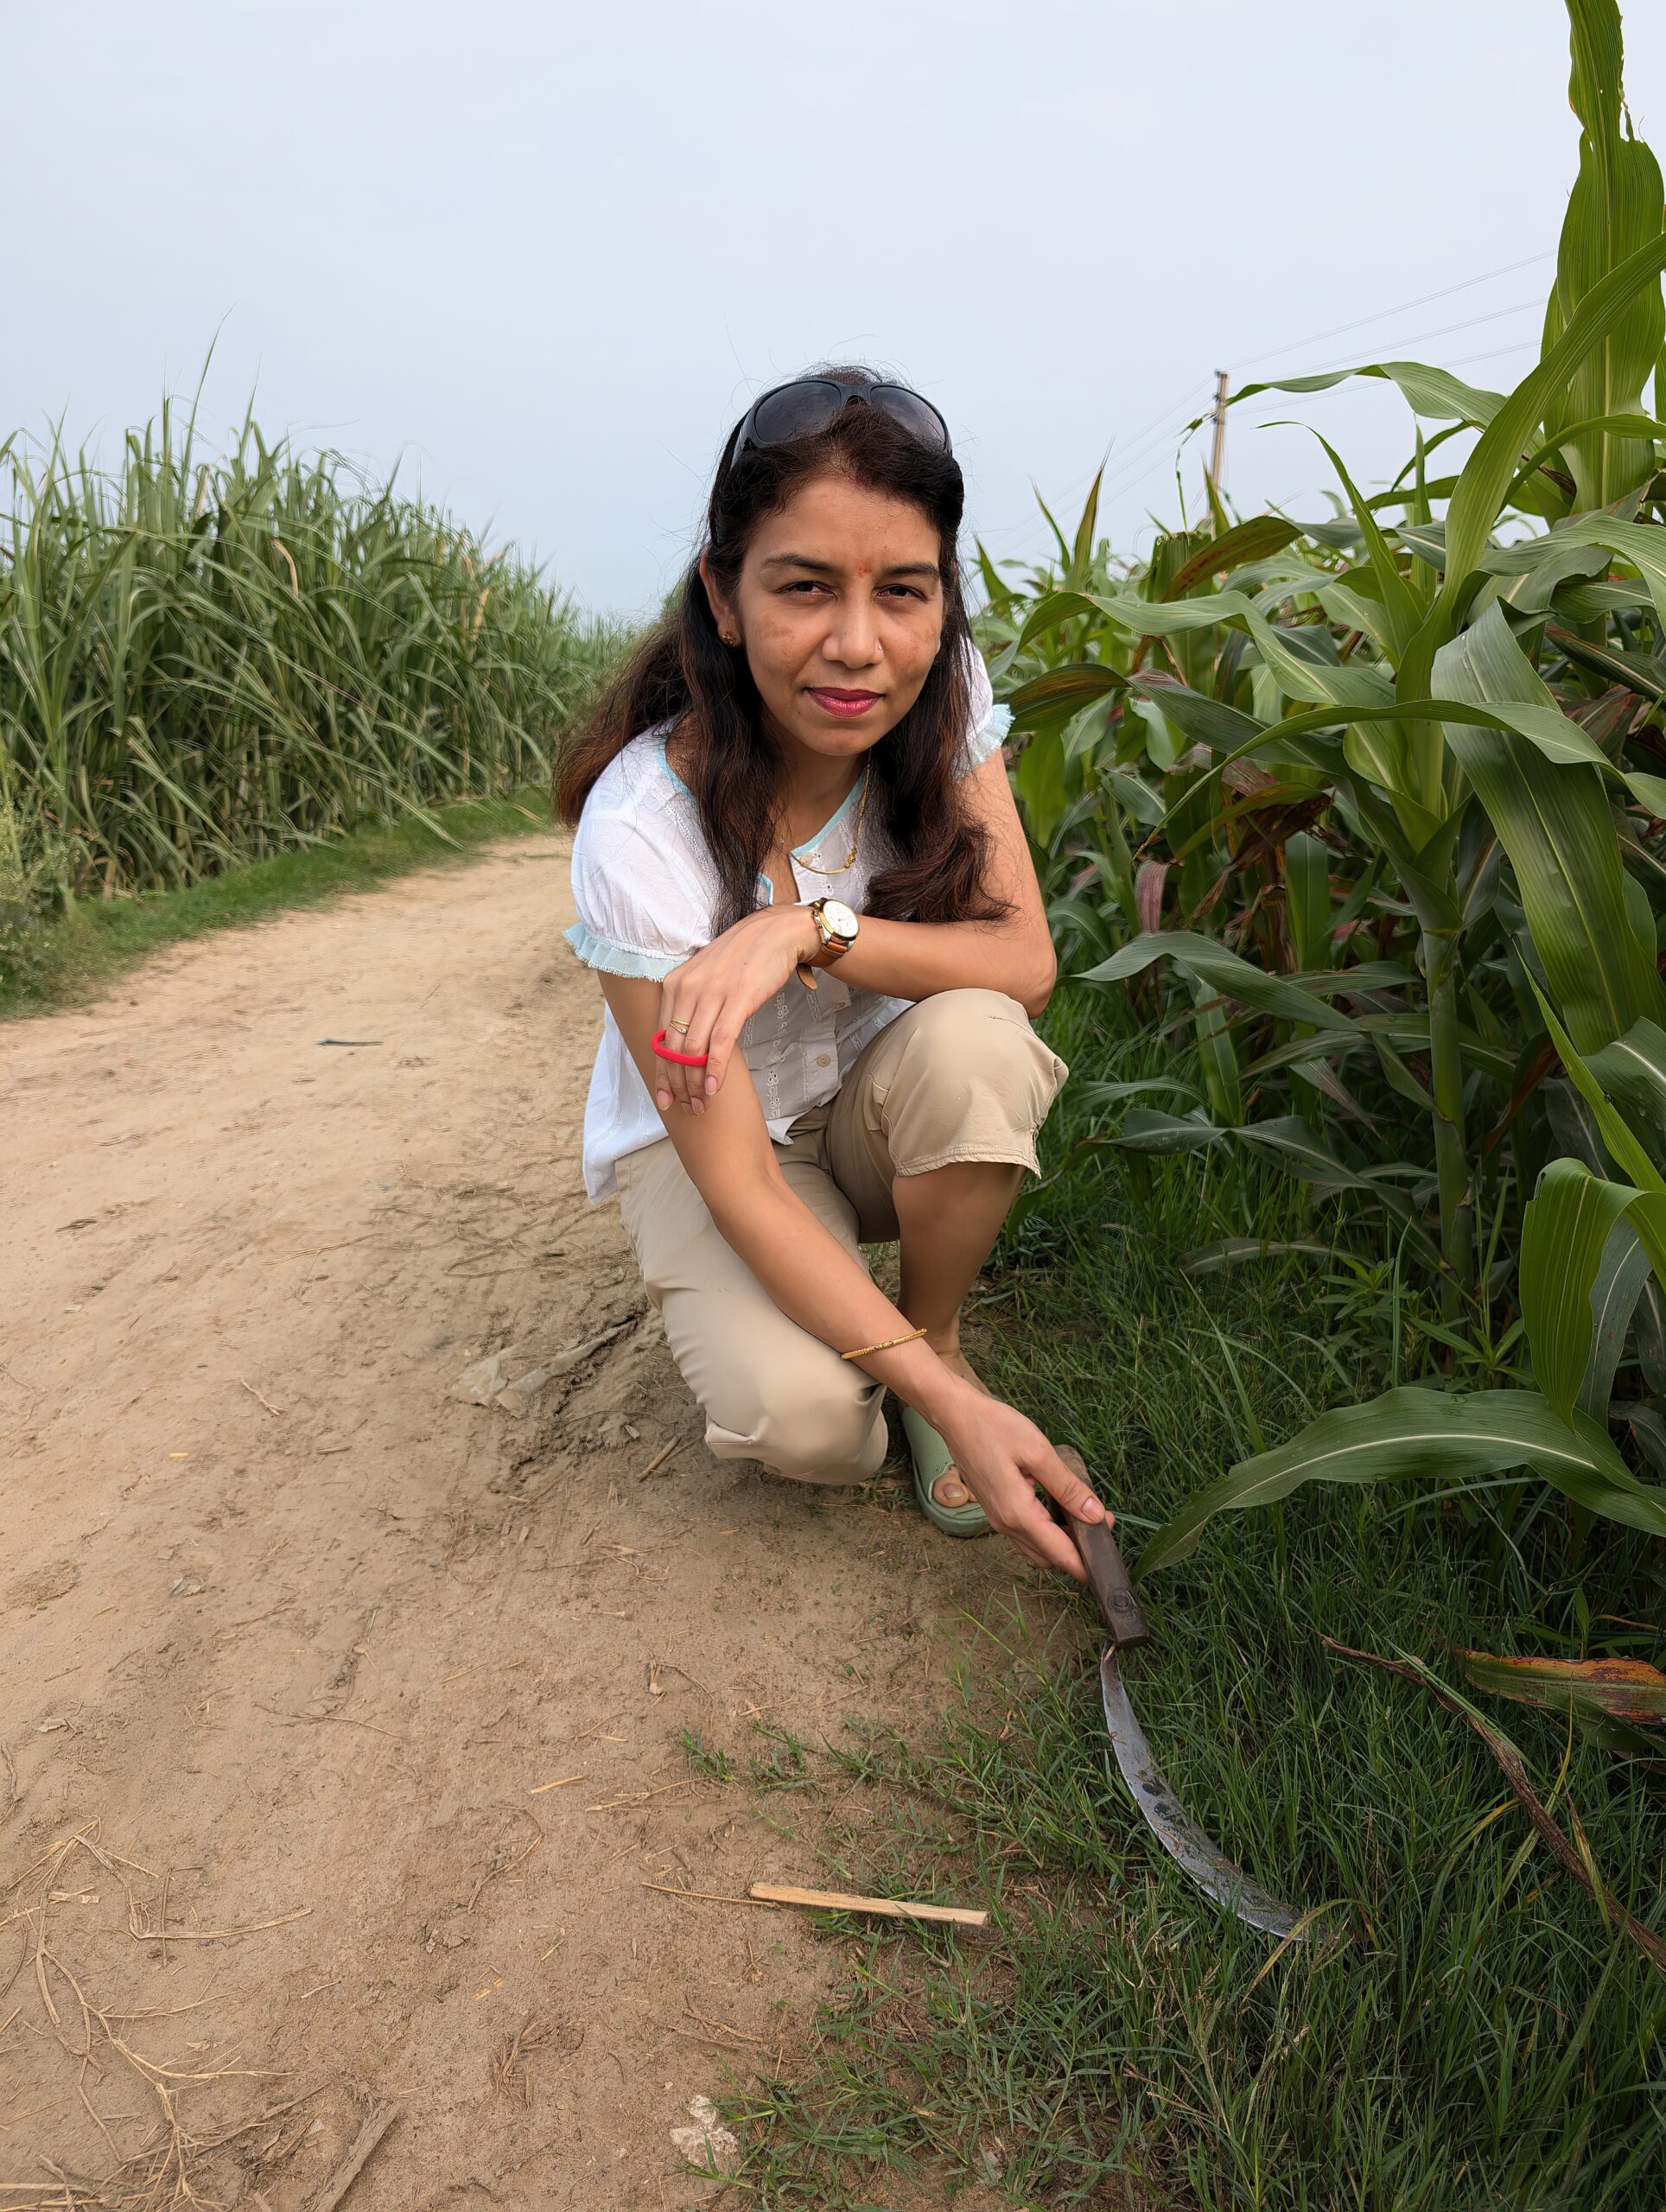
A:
x: 839, y: 918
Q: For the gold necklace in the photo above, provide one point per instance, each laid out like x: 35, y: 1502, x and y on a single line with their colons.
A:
x: 849, y: 859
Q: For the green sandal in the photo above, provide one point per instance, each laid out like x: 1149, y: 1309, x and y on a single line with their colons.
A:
x: 931, y: 1456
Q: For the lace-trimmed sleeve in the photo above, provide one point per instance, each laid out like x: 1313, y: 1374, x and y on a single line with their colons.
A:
x: 634, y: 912
x: 987, y: 725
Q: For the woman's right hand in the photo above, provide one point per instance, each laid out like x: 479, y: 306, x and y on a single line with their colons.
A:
x: 1000, y: 1456
x: 706, y: 1002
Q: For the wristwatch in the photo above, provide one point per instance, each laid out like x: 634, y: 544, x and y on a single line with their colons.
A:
x: 837, y: 925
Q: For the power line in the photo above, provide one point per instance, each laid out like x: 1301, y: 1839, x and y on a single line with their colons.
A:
x: 1425, y: 299
x: 1143, y: 455
x: 1139, y: 444
x: 1142, y: 446
x: 1421, y: 337
x: 1493, y: 354
x: 1463, y: 360
x: 1173, y: 417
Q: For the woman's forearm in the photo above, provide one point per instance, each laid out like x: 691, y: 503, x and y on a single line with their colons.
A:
x: 817, y: 1283
x: 915, y: 960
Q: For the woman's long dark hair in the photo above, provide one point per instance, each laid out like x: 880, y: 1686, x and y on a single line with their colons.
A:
x: 684, y: 673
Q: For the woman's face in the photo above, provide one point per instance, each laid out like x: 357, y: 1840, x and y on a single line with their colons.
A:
x: 840, y: 608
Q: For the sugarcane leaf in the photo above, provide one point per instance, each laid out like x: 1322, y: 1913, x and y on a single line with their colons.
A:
x: 1426, y: 1435
x: 1552, y: 818
x: 1643, y: 427
x: 1630, y: 1689
x: 1425, y: 540
x: 1081, y: 560
x: 1217, y: 1053
x: 1223, y: 971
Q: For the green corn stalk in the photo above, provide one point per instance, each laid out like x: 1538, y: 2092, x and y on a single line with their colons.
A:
x: 1467, y: 703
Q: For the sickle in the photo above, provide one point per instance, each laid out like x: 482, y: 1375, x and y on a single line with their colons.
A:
x: 1168, y: 1819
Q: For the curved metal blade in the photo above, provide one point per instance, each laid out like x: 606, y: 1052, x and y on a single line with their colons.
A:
x: 1174, y: 1828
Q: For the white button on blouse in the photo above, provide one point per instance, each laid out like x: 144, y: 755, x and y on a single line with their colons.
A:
x: 645, y: 893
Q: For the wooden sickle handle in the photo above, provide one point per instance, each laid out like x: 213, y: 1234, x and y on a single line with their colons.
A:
x: 1107, y: 1576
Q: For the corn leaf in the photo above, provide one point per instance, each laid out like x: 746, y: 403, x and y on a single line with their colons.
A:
x: 1425, y: 1435
x: 1227, y: 973
x: 1625, y: 1269
x: 1487, y: 475
x: 1616, y: 207
x: 1553, y: 820
x: 1612, y: 1125
x: 1248, y: 541
x: 1568, y: 1223
x: 1630, y: 1689
x: 1633, y: 1073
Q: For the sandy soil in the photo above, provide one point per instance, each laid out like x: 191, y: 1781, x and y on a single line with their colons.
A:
x: 343, y: 1715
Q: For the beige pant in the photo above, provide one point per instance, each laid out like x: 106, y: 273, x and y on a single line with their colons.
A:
x: 960, y: 1076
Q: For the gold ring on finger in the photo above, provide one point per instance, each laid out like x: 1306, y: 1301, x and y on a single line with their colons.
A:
x: 681, y: 1028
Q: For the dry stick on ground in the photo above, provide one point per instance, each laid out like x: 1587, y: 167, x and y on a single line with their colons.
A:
x: 893, y: 1908
x: 510, y: 2072
x: 709, y: 1897
x: 507, y: 1865
x: 377, y: 2122
x: 1515, y: 1773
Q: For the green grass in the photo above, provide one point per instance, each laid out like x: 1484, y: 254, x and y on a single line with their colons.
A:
x: 1462, y: 2030
x: 50, y: 962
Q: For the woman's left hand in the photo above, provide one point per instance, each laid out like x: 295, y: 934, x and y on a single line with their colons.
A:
x: 718, y: 990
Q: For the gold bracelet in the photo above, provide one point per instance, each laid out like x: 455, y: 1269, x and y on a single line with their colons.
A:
x: 889, y: 1344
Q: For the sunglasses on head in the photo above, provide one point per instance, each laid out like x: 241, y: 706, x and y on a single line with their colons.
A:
x: 809, y: 404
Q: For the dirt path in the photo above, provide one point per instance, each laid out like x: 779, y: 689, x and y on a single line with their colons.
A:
x: 296, y: 1640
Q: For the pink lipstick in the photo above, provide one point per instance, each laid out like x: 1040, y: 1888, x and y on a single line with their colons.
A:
x: 849, y: 703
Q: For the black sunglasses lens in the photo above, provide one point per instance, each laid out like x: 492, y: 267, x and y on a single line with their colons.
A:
x: 911, y: 413
x: 798, y: 411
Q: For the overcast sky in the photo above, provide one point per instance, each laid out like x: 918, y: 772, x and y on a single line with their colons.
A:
x: 542, y: 254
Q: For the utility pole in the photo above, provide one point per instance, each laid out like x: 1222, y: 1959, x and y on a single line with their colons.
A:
x: 1217, y: 458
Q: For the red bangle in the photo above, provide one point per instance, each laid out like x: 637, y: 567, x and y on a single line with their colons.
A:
x: 682, y: 1059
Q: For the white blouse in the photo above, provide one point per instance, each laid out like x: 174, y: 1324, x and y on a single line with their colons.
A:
x: 645, y: 893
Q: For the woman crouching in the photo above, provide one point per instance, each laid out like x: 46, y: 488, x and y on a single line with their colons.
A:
x: 801, y: 877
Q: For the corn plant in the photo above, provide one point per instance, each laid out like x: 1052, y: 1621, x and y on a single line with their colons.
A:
x: 1374, y: 807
